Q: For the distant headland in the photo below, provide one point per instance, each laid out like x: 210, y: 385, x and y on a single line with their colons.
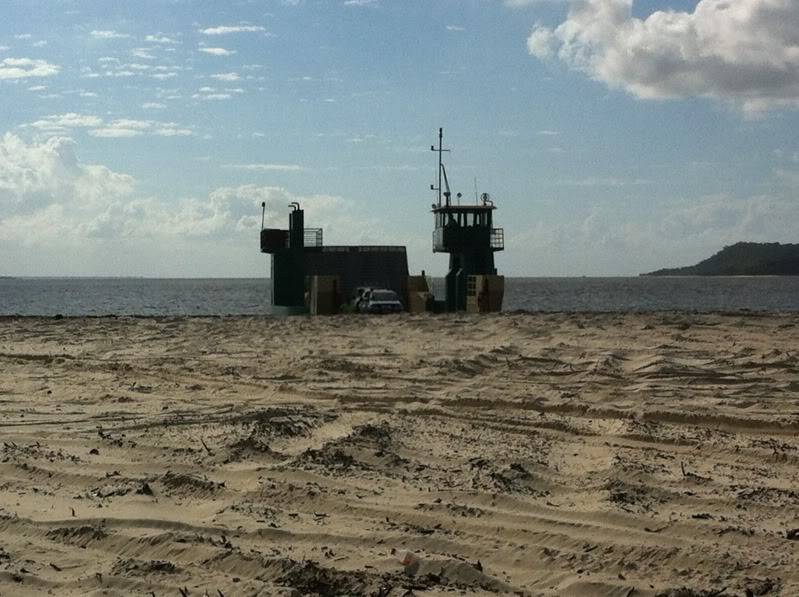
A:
x: 743, y: 259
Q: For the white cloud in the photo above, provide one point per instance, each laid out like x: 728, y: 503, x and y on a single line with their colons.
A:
x: 153, y: 106
x: 36, y: 177
x: 66, y: 121
x: 218, y: 51
x: 21, y: 68
x: 4, y: 48
x: 727, y: 220
x: 160, y: 39
x: 40, y: 44
x: 116, y: 69
x: 23, y: 36
x: 362, y: 138
x: 227, y: 29
x: 127, y: 70
x: 226, y: 77
x: 233, y: 210
x: 49, y: 199
x: 112, y: 132
x: 743, y: 52
x: 603, y: 181
x: 212, y: 94
x: 129, y: 123
x: 171, y: 131
x: 142, y: 53
x: 606, y: 238
x: 360, y: 2
x: 108, y: 34
x: 127, y: 127
x: 116, y: 129
x: 265, y: 167
x: 520, y: 3
x: 455, y: 28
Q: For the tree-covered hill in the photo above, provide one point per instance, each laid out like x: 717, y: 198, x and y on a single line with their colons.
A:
x: 743, y: 259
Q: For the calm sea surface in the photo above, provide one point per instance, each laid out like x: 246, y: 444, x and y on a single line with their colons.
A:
x: 134, y: 296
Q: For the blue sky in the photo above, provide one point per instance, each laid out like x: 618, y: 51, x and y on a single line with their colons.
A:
x: 139, y: 138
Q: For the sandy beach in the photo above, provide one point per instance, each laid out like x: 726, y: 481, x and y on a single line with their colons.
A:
x: 614, y: 455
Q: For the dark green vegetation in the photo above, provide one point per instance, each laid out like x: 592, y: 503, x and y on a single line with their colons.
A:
x: 743, y: 259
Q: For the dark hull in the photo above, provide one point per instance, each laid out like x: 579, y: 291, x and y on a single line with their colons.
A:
x: 359, y: 265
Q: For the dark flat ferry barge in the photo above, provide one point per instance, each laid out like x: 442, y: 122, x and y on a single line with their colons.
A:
x: 309, y: 277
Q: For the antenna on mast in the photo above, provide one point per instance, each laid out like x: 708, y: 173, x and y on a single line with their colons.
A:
x: 441, y: 170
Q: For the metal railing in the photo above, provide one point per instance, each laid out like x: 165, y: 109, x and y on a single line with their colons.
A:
x: 312, y: 237
x: 498, y: 239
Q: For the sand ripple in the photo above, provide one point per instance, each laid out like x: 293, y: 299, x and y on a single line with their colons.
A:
x: 548, y: 454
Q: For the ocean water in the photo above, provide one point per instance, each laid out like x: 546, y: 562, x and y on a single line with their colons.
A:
x: 136, y: 296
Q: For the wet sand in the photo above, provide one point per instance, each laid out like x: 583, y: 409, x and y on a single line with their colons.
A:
x: 553, y: 454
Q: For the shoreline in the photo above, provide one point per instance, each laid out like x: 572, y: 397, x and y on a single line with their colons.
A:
x: 443, y: 316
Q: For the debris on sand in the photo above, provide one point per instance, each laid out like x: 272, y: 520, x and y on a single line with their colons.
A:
x: 369, y: 447
x: 253, y: 445
x: 287, y: 421
x: 513, y: 478
x: 182, y: 483
x: 686, y: 592
x: 133, y: 567
x: 265, y: 426
x: 631, y: 496
x: 311, y: 578
x: 80, y: 536
x: 118, y: 487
